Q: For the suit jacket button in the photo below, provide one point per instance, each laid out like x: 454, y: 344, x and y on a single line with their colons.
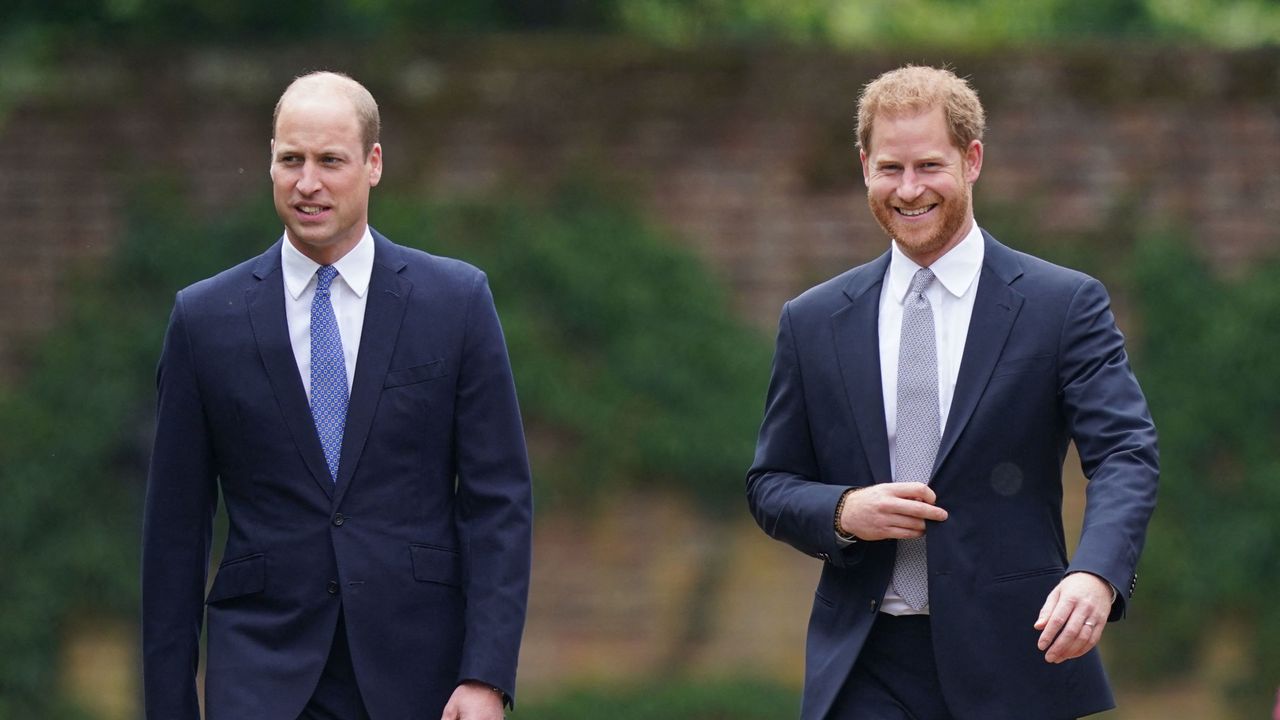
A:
x: 333, y: 587
x: 339, y: 519
x: 873, y: 606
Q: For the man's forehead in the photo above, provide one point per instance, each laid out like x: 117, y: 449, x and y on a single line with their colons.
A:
x: 911, y: 121
x: 317, y: 99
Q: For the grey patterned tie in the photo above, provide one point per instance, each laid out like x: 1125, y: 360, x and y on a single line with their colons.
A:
x: 918, y: 433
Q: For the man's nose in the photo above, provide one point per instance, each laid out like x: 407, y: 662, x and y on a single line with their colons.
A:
x: 910, y: 189
x: 309, y: 180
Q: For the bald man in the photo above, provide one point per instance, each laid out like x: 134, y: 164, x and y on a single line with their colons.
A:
x: 353, y: 401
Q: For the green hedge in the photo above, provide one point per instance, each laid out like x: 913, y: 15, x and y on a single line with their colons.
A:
x: 632, y: 369
x: 727, y: 699
x: 1209, y: 363
x: 1231, y: 23
x: 77, y: 437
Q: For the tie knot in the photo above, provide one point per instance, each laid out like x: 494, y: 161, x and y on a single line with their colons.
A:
x: 324, y: 276
x: 921, y: 280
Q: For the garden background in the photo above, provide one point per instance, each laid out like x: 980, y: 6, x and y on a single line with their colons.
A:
x: 646, y: 182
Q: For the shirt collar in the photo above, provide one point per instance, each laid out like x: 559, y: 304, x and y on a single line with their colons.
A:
x: 956, y: 270
x: 355, y: 268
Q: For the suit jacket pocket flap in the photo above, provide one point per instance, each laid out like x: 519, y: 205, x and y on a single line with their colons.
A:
x: 242, y: 576
x: 1024, y: 574
x: 437, y: 565
x: 415, y: 374
x: 1023, y: 364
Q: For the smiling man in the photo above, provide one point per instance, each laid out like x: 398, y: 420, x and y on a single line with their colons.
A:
x: 915, y: 429
x: 353, y: 402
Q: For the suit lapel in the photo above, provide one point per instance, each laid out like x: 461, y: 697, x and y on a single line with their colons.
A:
x: 265, y: 302
x: 994, y: 310
x: 857, y: 338
x: 383, y: 313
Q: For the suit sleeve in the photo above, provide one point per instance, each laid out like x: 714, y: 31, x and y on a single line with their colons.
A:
x: 785, y: 491
x: 177, y: 526
x: 495, y: 506
x: 1108, y: 418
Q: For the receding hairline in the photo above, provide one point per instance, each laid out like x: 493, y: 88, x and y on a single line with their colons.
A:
x: 329, y: 82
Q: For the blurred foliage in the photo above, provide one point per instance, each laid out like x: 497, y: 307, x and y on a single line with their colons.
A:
x: 632, y: 369
x: 1231, y: 23
x: 962, y: 23
x: 77, y: 435
x: 629, y: 365
x: 738, y: 699
x: 1212, y: 561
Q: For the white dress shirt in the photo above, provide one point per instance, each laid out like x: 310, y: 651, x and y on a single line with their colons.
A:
x: 348, y: 293
x: 951, y: 298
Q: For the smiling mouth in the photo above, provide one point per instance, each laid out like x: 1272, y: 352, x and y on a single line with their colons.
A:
x: 915, y: 212
x: 310, y: 209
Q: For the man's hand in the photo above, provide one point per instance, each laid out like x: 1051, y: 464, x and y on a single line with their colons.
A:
x: 1074, y: 616
x: 473, y: 701
x: 890, y: 511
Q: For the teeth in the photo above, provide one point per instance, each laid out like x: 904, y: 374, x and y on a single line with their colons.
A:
x: 310, y: 209
x: 916, y: 212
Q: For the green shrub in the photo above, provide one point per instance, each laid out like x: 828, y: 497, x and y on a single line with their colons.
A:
x: 630, y: 364
x: 730, y: 699
x: 1208, y: 364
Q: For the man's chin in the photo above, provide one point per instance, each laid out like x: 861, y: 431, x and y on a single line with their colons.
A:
x: 922, y: 251
x: 310, y: 235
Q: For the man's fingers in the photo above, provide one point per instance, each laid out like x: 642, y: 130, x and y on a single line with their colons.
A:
x: 904, y: 528
x: 918, y: 509
x: 1057, y: 619
x: 1073, y: 617
x: 914, y: 499
x: 887, y: 511
x: 1047, y: 608
x: 1080, y: 633
x: 913, y: 491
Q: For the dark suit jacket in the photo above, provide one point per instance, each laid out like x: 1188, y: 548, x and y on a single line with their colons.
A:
x: 1043, y: 364
x: 423, y: 542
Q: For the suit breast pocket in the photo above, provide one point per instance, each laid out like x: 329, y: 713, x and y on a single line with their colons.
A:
x: 1020, y: 365
x: 416, y: 374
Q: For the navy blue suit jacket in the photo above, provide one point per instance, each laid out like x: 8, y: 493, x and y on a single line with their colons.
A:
x: 1043, y: 364
x: 423, y: 542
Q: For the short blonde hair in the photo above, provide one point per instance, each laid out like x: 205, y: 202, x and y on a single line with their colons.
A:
x: 361, y: 99
x: 915, y: 88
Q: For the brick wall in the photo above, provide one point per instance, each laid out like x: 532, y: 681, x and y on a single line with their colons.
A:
x: 748, y: 155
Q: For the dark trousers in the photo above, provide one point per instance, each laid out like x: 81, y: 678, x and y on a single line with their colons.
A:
x: 337, y: 697
x: 895, y: 677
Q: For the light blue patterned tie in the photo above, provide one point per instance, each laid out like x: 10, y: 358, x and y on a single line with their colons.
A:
x: 329, y: 393
x: 918, y: 432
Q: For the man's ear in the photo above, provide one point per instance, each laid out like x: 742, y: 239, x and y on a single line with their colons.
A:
x: 973, y: 161
x: 375, y: 164
x: 862, y: 158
